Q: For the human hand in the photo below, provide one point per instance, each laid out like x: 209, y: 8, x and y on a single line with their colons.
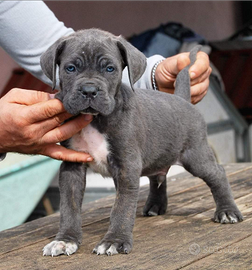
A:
x: 31, y: 123
x: 167, y: 71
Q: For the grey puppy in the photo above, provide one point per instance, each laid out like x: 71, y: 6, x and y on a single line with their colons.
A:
x: 133, y: 133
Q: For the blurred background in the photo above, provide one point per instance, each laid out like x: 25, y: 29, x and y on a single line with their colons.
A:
x: 155, y: 27
x: 215, y: 20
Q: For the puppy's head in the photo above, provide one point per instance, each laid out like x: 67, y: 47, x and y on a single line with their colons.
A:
x: 90, y: 69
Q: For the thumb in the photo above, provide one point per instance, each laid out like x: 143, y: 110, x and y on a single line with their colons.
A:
x: 182, y: 61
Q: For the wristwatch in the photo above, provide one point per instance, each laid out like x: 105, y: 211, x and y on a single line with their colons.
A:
x: 2, y: 156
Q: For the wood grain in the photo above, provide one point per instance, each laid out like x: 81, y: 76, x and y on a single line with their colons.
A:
x: 170, y: 241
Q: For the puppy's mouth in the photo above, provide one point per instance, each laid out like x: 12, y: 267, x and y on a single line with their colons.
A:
x: 89, y: 110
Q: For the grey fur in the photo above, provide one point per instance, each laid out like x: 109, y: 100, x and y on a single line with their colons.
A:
x: 147, y: 131
x: 182, y: 88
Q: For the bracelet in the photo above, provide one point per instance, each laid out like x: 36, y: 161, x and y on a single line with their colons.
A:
x: 2, y: 156
x: 153, y: 75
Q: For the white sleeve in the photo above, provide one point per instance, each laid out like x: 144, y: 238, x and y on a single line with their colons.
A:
x: 28, y: 28
x: 145, y: 81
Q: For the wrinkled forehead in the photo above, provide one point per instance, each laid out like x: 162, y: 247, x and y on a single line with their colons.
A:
x: 90, y: 47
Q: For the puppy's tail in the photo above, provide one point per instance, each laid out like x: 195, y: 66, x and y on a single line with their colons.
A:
x: 182, y: 85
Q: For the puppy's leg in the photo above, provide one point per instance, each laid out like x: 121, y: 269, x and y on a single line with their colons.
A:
x: 72, y: 182
x: 119, y: 238
x: 156, y: 203
x: 200, y: 161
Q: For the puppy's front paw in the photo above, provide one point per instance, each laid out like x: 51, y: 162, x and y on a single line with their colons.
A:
x: 112, y: 245
x: 56, y: 248
x: 225, y: 216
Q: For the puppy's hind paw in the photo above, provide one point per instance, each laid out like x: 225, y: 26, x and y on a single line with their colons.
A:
x: 56, y: 248
x: 112, y: 245
x: 112, y: 249
x: 227, y: 216
x: 154, y: 209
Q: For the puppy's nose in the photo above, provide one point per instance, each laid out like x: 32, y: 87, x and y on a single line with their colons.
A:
x: 89, y: 91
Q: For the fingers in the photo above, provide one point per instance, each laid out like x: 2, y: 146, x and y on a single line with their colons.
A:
x: 42, y: 127
x: 61, y: 153
x: 168, y: 70
x: 199, y: 86
x: 200, y: 66
x: 171, y: 66
x: 198, y: 91
x: 183, y: 60
x: 41, y: 111
x: 199, y: 74
x: 67, y: 130
x: 204, y: 76
x: 39, y: 106
x: 26, y: 97
x: 33, y: 125
x: 198, y: 69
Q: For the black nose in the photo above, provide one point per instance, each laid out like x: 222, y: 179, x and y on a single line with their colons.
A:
x: 89, y: 91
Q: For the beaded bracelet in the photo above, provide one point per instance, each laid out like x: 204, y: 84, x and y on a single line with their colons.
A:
x: 153, y: 75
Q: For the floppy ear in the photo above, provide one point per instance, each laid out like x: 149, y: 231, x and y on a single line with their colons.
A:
x: 133, y: 58
x: 49, y: 60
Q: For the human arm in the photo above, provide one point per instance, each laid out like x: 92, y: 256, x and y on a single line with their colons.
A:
x: 35, y: 27
x: 27, y: 29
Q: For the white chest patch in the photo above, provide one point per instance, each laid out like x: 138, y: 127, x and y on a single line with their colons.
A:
x: 91, y: 141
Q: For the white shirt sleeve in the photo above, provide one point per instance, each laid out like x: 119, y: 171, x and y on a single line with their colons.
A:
x: 145, y: 81
x: 28, y: 28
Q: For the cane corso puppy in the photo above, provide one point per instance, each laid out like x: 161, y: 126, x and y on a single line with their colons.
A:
x: 134, y: 132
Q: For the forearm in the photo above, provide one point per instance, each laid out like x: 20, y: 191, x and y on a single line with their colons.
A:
x: 34, y: 29
x: 27, y: 29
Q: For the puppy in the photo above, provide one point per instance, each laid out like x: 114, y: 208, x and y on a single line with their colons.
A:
x: 133, y: 133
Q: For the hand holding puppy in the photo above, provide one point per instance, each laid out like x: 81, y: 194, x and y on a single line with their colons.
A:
x: 31, y: 123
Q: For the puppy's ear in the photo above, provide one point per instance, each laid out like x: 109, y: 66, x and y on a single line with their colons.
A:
x: 133, y: 59
x: 49, y: 60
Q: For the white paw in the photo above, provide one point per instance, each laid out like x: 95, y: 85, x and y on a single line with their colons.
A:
x: 56, y: 248
x: 101, y: 249
x: 105, y: 249
x: 112, y: 250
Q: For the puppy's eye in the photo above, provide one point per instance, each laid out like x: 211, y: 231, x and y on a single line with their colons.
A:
x: 110, y: 69
x: 70, y: 68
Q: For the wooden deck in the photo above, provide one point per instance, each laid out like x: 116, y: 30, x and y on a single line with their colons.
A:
x: 184, y: 238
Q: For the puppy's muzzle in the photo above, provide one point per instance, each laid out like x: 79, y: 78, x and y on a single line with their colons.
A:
x: 89, y: 91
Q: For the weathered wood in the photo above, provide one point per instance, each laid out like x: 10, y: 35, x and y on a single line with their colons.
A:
x: 161, y: 242
x: 47, y: 228
x: 233, y: 257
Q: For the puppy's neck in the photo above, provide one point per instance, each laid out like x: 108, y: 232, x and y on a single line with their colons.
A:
x: 124, y: 98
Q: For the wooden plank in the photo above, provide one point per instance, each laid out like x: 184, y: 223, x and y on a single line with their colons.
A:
x: 233, y: 257
x: 159, y: 244
x: 48, y: 227
x: 159, y: 236
x: 176, y: 184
